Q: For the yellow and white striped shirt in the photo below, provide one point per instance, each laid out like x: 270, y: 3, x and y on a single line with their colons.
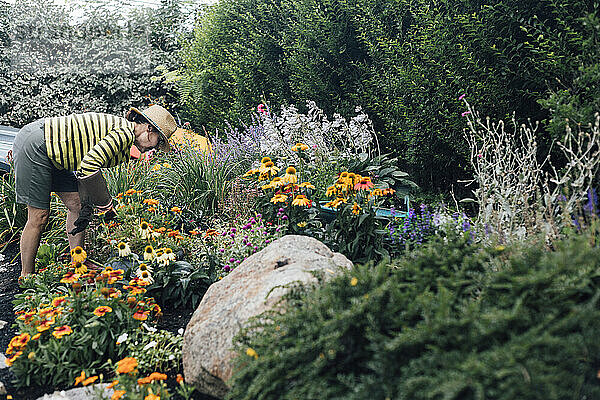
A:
x: 88, y: 142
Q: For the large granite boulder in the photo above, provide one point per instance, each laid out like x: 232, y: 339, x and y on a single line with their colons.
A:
x: 230, y: 302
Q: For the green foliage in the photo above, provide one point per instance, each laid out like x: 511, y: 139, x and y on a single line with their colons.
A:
x: 13, y: 216
x: 53, y: 64
x: 155, y: 350
x: 406, y: 62
x: 179, y: 284
x: 451, y: 320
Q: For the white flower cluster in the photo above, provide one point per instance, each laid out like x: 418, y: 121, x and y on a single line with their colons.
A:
x: 316, y: 130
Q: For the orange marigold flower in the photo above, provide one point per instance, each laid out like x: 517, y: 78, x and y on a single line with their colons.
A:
x: 112, y: 384
x: 300, y: 147
x: 126, y: 365
x: 101, y: 310
x: 194, y: 232
x: 130, y: 192
x: 80, y: 378
x: 356, y: 209
x: 62, y: 331
x: 179, y: 378
x: 117, y: 394
x: 89, y: 380
x: 155, y: 376
x: 211, y: 232
x: 151, y: 202
x: 152, y: 396
x: 176, y: 210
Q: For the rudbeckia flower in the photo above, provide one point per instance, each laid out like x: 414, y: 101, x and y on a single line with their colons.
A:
x: 80, y: 268
x: 388, y: 191
x: 143, y: 267
x: 265, y: 160
x: 146, y: 277
x: 279, y: 198
x: 251, y: 172
x: 364, y: 184
x: 290, y: 175
x: 145, y: 230
x: 356, y: 209
x: 78, y: 254
x: 100, y: 311
x: 124, y: 249
x: 299, y: 147
x: 62, y: 331
x: 331, y: 191
x: 126, y: 365
x: 301, y: 201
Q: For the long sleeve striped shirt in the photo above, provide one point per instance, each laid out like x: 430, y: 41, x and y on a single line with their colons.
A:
x: 87, y: 142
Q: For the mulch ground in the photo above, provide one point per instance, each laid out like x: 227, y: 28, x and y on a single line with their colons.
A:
x: 10, y: 269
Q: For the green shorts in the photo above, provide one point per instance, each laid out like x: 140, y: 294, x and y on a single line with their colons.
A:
x: 35, y: 174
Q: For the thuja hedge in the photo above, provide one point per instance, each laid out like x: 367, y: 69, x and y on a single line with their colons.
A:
x: 449, y: 321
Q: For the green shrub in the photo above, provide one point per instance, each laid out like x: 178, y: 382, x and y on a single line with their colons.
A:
x: 451, y: 320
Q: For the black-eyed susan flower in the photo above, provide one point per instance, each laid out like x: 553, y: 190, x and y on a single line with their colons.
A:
x: 61, y: 331
x: 299, y: 147
x: 278, y: 198
x: 79, y: 268
x: 331, y: 191
x: 265, y: 160
x: 78, y: 254
x: 145, y: 230
x: 290, y: 175
x: 251, y: 172
x: 301, y: 201
x: 100, y: 311
x: 123, y: 249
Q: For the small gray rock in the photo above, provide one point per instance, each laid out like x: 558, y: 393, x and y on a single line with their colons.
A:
x: 3, y: 361
x: 2, y: 389
x: 255, y: 286
x: 82, y: 393
x: 3, y: 324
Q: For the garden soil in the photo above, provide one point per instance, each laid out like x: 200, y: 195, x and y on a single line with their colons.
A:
x: 10, y: 268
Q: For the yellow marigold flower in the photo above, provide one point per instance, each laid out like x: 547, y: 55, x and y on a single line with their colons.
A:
x: 251, y: 352
x: 354, y: 281
x: 301, y: 224
x: 101, y: 310
x: 279, y: 198
x: 156, y: 167
x: 78, y: 254
x: 265, y: 160
x: 301, y: 201
x: 31, y: 355
x: 126, y: 365
x: 356, y: 208
x: 123, y: 249
x: 62, y: 331
x: 307, y: 185
x: 300, y: 147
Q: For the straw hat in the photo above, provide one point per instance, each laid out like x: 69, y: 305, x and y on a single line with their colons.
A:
x: 162, y: 120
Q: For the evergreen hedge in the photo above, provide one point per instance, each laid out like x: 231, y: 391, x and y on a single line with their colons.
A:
x: 449, y: 321
x: 405, y: 61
